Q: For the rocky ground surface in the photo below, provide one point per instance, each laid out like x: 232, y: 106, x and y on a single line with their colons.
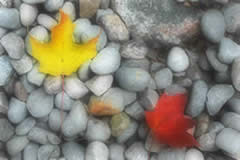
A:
x: 146, y: 47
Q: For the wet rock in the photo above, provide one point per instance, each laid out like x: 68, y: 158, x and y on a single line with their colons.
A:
x: 97, y: 150
x: 16, y: 144
x: 6, y: 130
x: 217, y: 96
x: 156, y: 21
x: 213, y: 25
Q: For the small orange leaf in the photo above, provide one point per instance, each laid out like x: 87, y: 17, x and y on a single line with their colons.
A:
x: 61, y: 56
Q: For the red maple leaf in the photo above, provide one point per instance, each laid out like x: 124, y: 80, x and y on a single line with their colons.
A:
x: 168, y: 123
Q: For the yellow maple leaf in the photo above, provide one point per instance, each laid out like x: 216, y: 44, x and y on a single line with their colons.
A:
x: 61, y: 56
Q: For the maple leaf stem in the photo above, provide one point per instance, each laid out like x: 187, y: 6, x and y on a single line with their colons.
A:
x: 62, y: 104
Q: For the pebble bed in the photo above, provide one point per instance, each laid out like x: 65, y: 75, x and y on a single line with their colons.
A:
x: 104, y: 101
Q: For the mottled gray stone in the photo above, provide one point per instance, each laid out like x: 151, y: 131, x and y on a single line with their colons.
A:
x: 97, y: 150
x: 232, y: 13
x: 135, y: 110
x: 163, y: 78
x: 30, y: 151
x: 6, y: 70
x: 172, y: 154
x: 22, y: 65
x: 9, y: 18
x: 230, y: 120
x: 116, y: 151
x: 53, y: 5
x: 136, y: 151
x: 128, y: 133
x: 46, y: 21
x: 16, y: 144
x: 67, y: 101
x: 35, y: 77
x: 6, y: 130
x: 73, y: 151
x: 53, y: 84
x: 25, y: 126
x: 48, y: 151
x: 235, y: 75
x: 17, y: 111
x: 28, y: 14
x: 56, y: 118
x: 3, y: 103
x: 148, y: 99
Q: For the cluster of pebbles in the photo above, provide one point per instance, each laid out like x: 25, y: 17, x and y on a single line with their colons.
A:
x: 104, y: 101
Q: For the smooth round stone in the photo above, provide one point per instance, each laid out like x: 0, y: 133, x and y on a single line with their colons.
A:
x: 17, y: 111
x: 23, y: 65
x: 88, y: 8
x: 207, y: 142
x: 53, y: 5
x: 34, y: 1
x: 177, y: 59
x: 116, y: 151
x: 194, y: 154
x: 163, y: 78
x: 215, y: 127
x: 73, y: 151
x: 56, y: 118
x: 107, y: 61
x: 100, y: 84
x: 171, y: 154
x: 53, y: 84
x: 67, y: 101
x: 148, y: 99
x: 235, y: 75
x: 135, y: 111
x: 82, y: 26
x: 48, y: 151
x: 9, y: 18
x: 76, y: 121
x: 213, y: 25
x: 16, y: 144
x: 198, y: 97
x: 69, y: 9
x: 14, y: 45
x: 6, y: 70
x: 114, y: 27
x: 28, y: 14
x: 20, y: 91
x: 3, y: 103
x: 228, y: 140
x: 97, y: 150
x: 25, y: 126
x: 231, y: 14
x: 132, y: 79
x: 128, y: 97
x: 136, y: 151
x: 74, y: 87
x: 128, y: 132
x: 217, y: 96
x: 30, y: 151
x: 230, y: 120
x: 233, y: 104
x: 119, y: 123
x: 26, y: 84
x: 39, y: 104
x: 35, y: 77
x: 102, y: 12
x: 111, y: 103
x: 84, y: 71
x: 134, y: 49
x: 6, y: 130
x: 46, y: 21
x: 228, y: 51
x: 97, y: 126
x: 213, y: 60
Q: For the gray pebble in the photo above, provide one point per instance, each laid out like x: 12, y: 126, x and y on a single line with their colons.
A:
x: 107, y: 61
x: 217, y: 96
x: 56, y: 118
x: 148, y: 99
x: 119, y: 123
x: 20, y: 91
x: 231, y: 13
x: 17, y: 111
x: 82, y: 25
x: 228, y: 51
x: 73, y: 151
x: 6, y: 70
x: 234, y: 103
x: 163, y: 78
x: 223, y: 77
x: 35, y: 77
x: 97, y: 150
x: 202, y: 124
x: 116, y: 151
x: 102, y: 12
x: 10, y: 18
x: 53, y: 5
x: 235, y: 75
x: 53, y: 84
x: 153, y: 145
x: 3, y: 103
x: 100, y: 84
x: 16, y: 144
x: 136, y: 63
x: 172, y: 154
x: 26, y: 84
x: 128, y: 133
x: 17, y: 156
x: 128, y: 96
x: 25, y: 126
x: 39, y: 103
x: 67, y: 101
x: 215, y: 63
x: 14, y: 45
x: 43, y: 136
x: 213, y: 25
x: 48, y: 151
x: 97, y: 126
x: 215, y: 127
x: 136, y: 152
x: 194, y: 154
x: 208, y: 142
x: 30, y: 151
x: 6, y: 4
x: 132, y: 79
x: 46, y: 21
x: 134, y: 49
x: 135, y: 110
x: 22, y: 32
x: 104, y: 4
x: 23, y: 65
x: 177, y: 59
x: 28, y: 14
x: 76, y: 120
x: 84, y: 71
x: 34, y: 1
x: 230, y: 120
x: 6, y: 130
x: 228, y: 140
x: 115, y: 28
x: 69, y: 8
x: 74, y: 87
x: 198, y: 97
x: 143, y: 131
